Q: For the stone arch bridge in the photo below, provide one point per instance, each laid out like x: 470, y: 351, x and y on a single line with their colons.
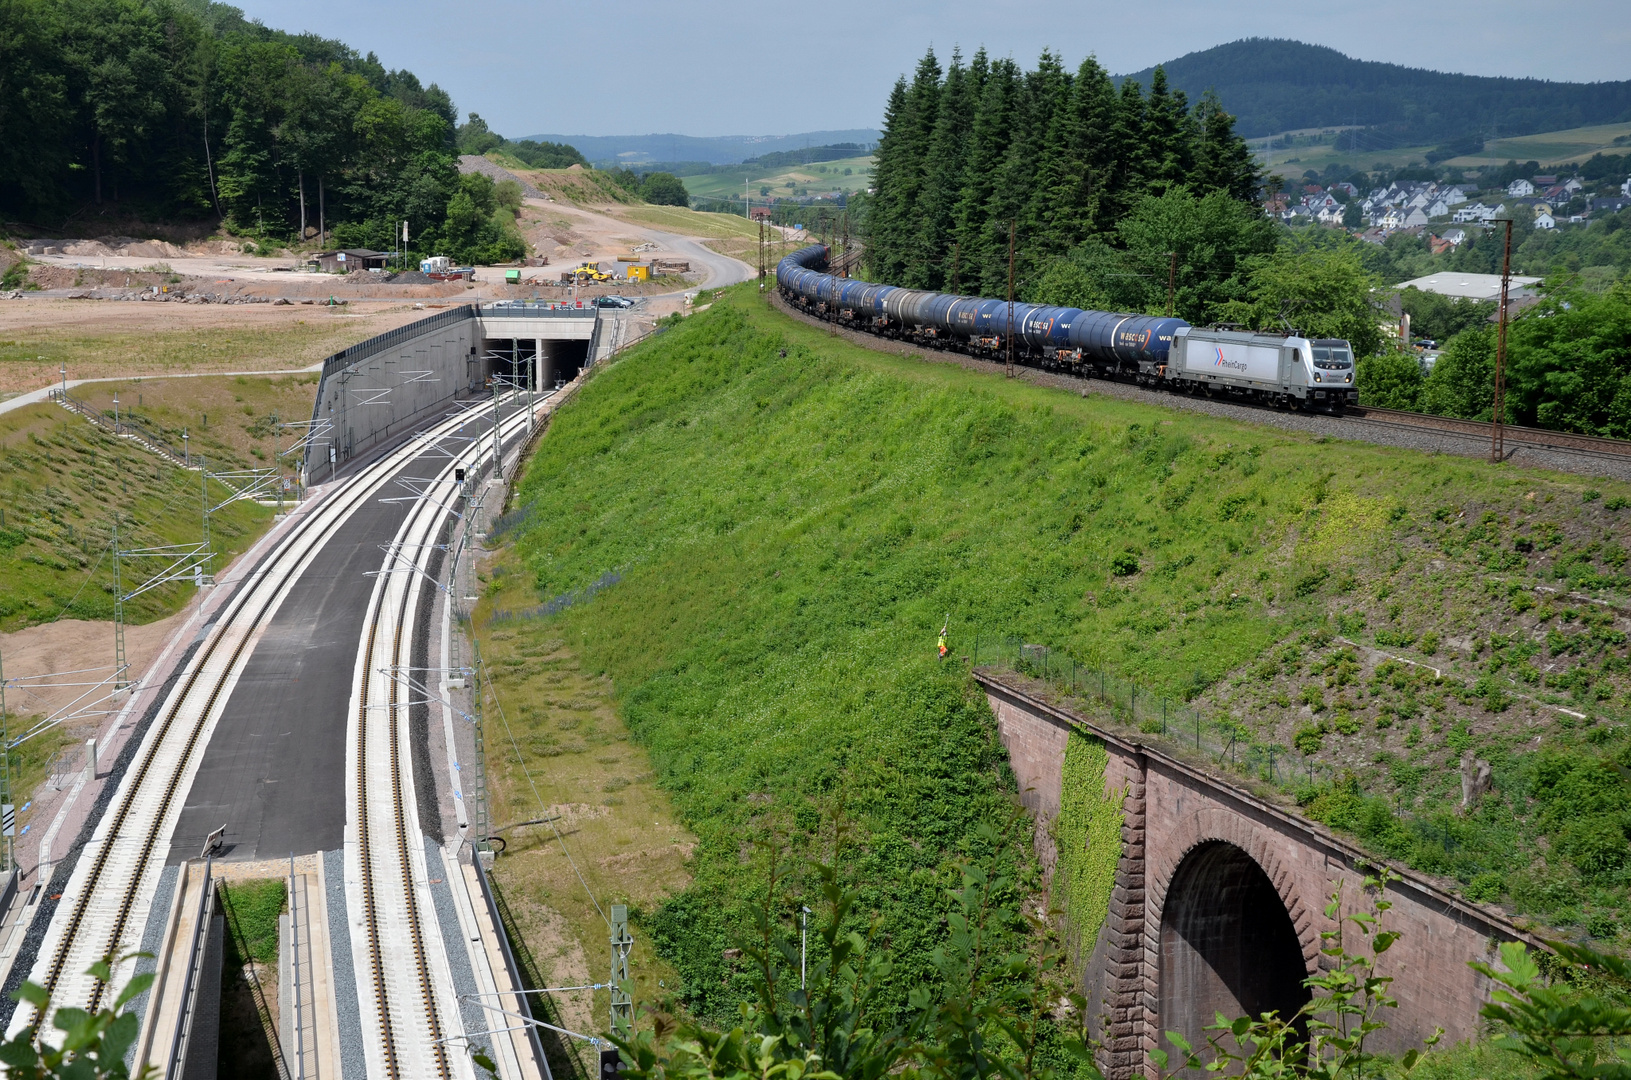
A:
x: 1219, y: 900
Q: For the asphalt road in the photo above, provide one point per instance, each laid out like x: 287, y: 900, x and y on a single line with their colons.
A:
x: 274, y: 772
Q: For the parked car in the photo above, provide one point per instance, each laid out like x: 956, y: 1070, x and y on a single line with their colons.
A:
x: 613, y: 302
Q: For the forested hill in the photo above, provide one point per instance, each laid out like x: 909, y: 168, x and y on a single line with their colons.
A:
x: 1273, y: 85
x: 114, y: 111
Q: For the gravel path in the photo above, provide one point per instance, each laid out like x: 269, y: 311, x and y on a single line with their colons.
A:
x: 1356, y: 430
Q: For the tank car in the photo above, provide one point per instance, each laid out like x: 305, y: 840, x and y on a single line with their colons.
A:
x: 1285, y: 370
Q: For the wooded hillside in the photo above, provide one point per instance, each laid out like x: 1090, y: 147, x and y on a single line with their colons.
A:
x: 1276, y: 85
x: 165, y: 109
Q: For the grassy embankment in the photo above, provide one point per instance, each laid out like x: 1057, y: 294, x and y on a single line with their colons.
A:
x: 167, y: 339
x: 228, y: 419
x: 65, y: 480
x: 791, y: 532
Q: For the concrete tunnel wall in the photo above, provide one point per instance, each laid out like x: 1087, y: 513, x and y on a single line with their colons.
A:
x: 376, y: 391
x: 1210, y: 876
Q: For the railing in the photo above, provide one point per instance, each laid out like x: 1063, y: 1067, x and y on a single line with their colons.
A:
x: 1170, y: 723
x: 126, y: 427
x: 187, y: 1012
x: 391, y: 338
x: 527, y: 309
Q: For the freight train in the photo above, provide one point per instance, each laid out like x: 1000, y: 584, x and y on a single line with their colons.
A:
x: 1286, y: 370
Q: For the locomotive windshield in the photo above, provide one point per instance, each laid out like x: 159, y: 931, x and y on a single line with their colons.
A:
x: 1331, y: 359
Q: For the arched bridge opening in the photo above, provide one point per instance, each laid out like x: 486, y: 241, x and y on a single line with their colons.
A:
x: 1227, y: 944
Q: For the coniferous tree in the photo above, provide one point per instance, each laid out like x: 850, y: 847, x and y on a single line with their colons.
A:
x: 883, y: 222
x: 916, y: 123
x: 988, y: 148
x: 1052, y: 126
x: 1166, y: 136
x: 929, y: 265
x: 1223, y: 161
x: 1129, y: 165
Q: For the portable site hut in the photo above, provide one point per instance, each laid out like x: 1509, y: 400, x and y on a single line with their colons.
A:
x: 347, y: 261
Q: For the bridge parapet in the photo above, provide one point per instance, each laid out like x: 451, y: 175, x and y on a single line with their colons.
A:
x: 1219, y: 896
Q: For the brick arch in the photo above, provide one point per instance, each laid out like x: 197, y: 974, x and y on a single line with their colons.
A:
x: 1217, y: 824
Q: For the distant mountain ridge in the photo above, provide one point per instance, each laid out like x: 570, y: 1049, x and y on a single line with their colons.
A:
x: 1274, y: 85
x: 717, y: 150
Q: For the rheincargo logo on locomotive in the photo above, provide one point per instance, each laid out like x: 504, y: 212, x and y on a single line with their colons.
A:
x: 1224, y: 362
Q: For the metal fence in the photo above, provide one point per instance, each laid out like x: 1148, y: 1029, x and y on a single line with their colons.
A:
x: 1169, y: 723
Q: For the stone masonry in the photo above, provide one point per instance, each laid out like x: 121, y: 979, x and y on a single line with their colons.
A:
x: 1172, y: 808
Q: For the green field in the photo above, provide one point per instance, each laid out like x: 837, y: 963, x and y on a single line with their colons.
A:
x: 794, y: 517
x: 1573, y: 145
x: 1551, y: 147
x: 822, y: 177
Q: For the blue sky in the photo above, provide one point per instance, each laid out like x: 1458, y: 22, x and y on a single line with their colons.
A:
x: 716, y: 67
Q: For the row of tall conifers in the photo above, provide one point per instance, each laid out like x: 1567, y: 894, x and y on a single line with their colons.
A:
x: 1132, y: 342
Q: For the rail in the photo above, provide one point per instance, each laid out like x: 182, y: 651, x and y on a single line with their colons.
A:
x: 1542, y: 437
x: 107, y: 890
x: 411, y: 1032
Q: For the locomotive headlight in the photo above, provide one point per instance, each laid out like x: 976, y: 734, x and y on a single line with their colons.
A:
x: 1348, y: 377
x: 1317, y: 377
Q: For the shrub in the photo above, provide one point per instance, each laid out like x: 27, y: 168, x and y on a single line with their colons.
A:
x: 1124, y: 564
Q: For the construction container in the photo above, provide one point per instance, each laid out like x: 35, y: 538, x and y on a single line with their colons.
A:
x: 512, y: 277
x: 639, y: 273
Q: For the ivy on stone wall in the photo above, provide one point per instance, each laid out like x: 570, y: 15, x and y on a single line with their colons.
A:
x: 1088, y: 831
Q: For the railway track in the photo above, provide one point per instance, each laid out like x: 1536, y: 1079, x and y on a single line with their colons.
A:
x: 405, y: 982
x: 110, y: 892
x: 1511, y: 435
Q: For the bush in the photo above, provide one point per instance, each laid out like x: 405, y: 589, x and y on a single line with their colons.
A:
x: 1124, y: 564
x: 664, y: 189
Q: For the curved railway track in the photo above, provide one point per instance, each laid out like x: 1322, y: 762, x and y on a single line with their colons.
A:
x: 1513, y: 436
x: 401, y: 952
x: 113, y: 883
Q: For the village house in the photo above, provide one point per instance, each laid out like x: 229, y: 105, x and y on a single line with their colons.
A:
x: 1520, y: 187
x: 1544, y: 220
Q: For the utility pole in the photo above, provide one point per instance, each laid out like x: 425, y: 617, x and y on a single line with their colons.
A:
x: 8, y: 810
x: 119, y: 680
x: 1013, y: 224
x: 622, y: 1003
x: 1497, y: 443
x: 1172, y: 280
x: 498, y: 453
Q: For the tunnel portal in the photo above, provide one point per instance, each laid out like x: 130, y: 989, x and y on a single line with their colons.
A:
x: 1227, y: 944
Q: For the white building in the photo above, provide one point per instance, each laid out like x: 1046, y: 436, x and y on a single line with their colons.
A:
x: 1625, y: 188
x: 1543, y: 220
x: 1520, y: 187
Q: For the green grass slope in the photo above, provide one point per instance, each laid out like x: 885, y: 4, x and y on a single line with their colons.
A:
x: 62, y: 481
x: 793, y: 518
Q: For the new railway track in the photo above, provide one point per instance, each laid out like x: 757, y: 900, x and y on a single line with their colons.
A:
x: 111, y: 889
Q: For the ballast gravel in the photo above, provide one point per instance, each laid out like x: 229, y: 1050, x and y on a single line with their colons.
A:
x: 1378, y: 433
